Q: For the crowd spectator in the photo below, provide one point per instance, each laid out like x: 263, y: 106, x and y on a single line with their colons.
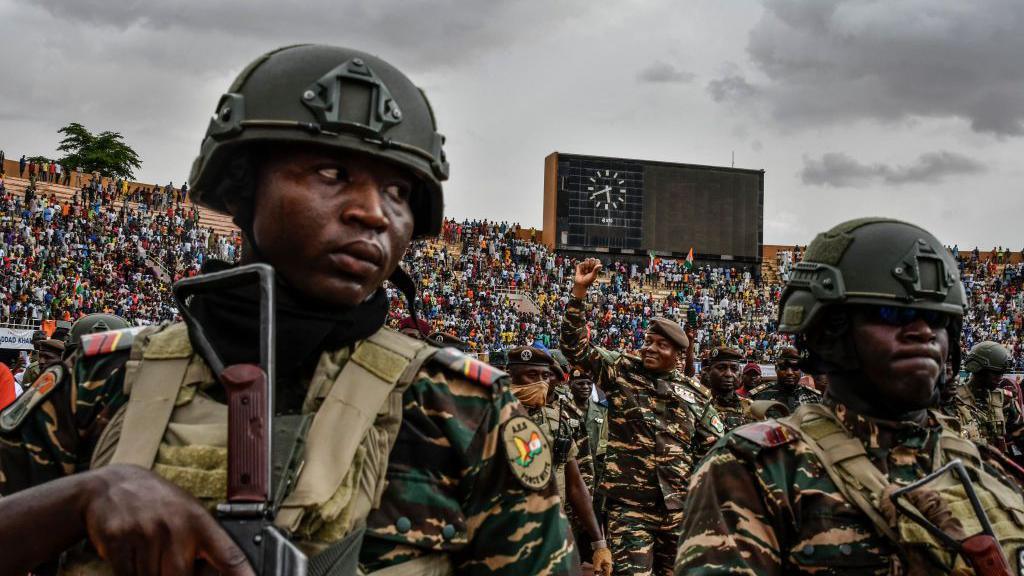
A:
x: 95, y: 252
x: 117, y: 248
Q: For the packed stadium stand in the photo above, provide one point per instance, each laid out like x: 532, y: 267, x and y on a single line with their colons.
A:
x: 67, y: 251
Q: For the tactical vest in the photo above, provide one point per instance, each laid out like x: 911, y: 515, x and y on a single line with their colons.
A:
x: 845, y: 459
x: 353, y: 412
x: 549, y: 419
x: 980, y: 420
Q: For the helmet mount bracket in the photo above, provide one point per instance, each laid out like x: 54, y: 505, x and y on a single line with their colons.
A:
x: 923, y: 272
x: 351, y: 98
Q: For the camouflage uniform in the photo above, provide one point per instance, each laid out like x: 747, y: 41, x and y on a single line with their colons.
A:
x: 554, y: 422
x: 734, y: 410
x: 658, y: 426
x: 768, y: 506
x: 451, y: 487
x: 812, y: 493
x: 985, y: 416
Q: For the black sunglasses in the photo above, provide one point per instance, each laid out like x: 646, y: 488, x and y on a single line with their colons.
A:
x: 898, y: 316
x: 791, y: 364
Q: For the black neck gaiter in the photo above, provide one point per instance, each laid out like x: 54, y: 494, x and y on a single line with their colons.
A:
x: 305, y: 329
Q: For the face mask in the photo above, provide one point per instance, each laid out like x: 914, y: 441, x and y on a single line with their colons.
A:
x: 533, y: 395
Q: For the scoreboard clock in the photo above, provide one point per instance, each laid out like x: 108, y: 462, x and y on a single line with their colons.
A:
x: 602, y: 205
x: 605, y: 201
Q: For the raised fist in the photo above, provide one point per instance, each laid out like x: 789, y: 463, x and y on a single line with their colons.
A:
x: 586, y: 274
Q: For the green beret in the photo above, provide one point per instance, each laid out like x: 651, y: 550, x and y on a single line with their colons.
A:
x: 671, y: 330
x: 725, y: 354
x: 529, y: 356
x: 444, y: 339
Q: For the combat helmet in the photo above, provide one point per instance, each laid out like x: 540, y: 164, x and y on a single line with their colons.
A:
x: 988, y: 355
x: 91, y: 324
x: 876, y: 261
x: 330, y: 96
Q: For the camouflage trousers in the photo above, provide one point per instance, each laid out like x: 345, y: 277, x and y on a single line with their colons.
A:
x: 643, y: 540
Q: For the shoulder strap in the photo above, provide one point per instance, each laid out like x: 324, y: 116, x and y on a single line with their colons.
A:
x: 844, y: 459
x: 157, y: 368
x: 384, y: 363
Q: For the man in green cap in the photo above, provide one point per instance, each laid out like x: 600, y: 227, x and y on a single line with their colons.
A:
x: 720, y: 374
x: 877, y: 304
x: 394, y: 455
x: 659, y: 425
x: 985, y: 410
x: 786, y: 389
x: 531, y: 370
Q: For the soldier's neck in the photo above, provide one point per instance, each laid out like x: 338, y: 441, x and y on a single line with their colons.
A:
x: 850, y: 390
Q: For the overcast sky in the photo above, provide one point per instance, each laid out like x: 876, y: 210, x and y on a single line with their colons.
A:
x: 904, y: 108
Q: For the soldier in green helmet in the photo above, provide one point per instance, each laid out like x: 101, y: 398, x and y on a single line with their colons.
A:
x: 877, y: 304
x: 985, y: 410
x: 402, y: 456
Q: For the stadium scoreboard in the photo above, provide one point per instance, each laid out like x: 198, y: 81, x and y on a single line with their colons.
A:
x: 639, y: 207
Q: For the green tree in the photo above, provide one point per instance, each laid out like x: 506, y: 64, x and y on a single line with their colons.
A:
x: 106, y: 152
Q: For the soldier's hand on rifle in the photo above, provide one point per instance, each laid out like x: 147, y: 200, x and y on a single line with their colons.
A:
x: 586, y: 274
x: 144, y: 525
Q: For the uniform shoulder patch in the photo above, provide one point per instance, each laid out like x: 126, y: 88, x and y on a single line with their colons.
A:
x: 12, y: 416
x: 107, y: 342
x: 767, y: 434
x: 528, y: 452
x: 473, y: 369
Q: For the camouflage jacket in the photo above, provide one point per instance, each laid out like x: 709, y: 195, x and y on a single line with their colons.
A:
x: 451, y: 485
x: 985, y: 416
x: 762, y: 503
x: 734, y: 410
x: 658, y: 424
x: 792, y: 397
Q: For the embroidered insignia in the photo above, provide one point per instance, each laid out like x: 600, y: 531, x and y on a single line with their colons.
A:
x: 526, y: 355
x: 528, y: 452
x: 15, y: 414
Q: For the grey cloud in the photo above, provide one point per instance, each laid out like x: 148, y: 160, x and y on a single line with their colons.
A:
x: 830, y: 61
x: 839, y: 170
x: 425, y: 34
x: 663, y: 72
x: 732, y: 89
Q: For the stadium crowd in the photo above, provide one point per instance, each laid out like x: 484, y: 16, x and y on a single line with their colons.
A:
x: 114, y: 249
x: 97, y: 252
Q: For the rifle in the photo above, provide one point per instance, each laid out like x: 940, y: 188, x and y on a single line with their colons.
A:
x: 981, y: 551
x: 247, y: 515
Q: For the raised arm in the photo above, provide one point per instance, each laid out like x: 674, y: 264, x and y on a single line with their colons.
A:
x: 575, y: 341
